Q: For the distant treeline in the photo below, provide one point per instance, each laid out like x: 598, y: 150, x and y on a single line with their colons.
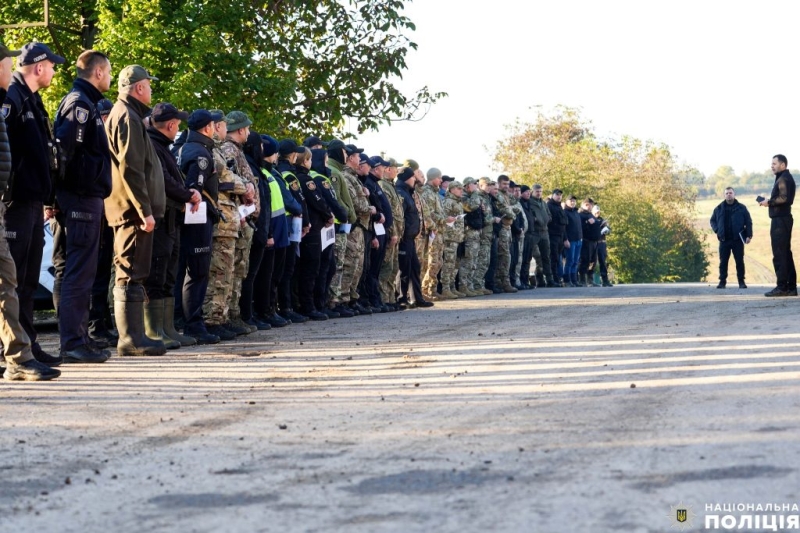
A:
x: 744, y: 183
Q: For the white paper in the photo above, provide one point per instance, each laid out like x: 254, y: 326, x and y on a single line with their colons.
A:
x: 296, y: 229
x: 328, y: 236
x: 451, y: 224
x: 345, y: 228
x: 379, y: 229
x: 199, y: 217
x: 245, y: 210
x: 432, y: 237
x: 459, y: 217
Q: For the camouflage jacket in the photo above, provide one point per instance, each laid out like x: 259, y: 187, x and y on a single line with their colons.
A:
x: 358, y: 196
x: 507, y: 214
x: 517, y: 208
x: 398, y: 222
x: 486, y: 204
x: 452, y: 208
x: 433, y: 215
x: 231, y: 185
x: 233, y: 150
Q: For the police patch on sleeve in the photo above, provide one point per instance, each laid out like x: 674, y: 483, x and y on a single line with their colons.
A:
x: 81, y: 115
x: 295, y: 186
x: 5, y: 110
x: 311, y: 186
x: 202, y: 162
x: 326, y: 185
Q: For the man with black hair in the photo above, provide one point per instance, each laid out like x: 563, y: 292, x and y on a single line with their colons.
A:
x: 556, y: 230
x: 590, y: 228
x: 780, y: 231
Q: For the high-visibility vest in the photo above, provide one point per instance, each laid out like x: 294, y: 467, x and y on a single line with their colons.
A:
x: 276, y: 198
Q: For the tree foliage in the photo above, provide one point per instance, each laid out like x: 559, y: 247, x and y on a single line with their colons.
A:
x: 647, y: 197
x: 295, y: 66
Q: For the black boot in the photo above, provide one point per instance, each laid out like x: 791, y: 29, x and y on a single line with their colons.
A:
x: 129, y: 313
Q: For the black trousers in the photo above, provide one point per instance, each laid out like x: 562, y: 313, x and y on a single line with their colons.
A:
x: 735, y: 246
x: 602, y: 260
x: 375, y: 262
x: 780, y: 233
x: 99, y: 311
x: 556, y: 249
x: 248, y: 283
x: 196, y: 244
x: 527, y: 256
x: 76, y: 243
x: 307, y: 272
x: 323, y: 281
x: 409, y: 271
x: 285, y: 283
x: 24, y: 223
x: 164, y: 240
x: 588, y: 257
x: 364, y: 284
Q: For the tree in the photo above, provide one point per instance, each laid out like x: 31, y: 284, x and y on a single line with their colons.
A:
x: 648, y: 198
x: 295, y: 66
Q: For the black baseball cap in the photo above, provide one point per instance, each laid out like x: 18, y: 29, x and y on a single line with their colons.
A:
x: 288, y: 146
x: 353, y: 149
x: 377, y: 161
x: 313, y: 141
x: 164, y: 111
x: 33, y: 53
x: 104, y: 106
x: 200, y: 118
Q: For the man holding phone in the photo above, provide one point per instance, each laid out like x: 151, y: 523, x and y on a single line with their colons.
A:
x: 734, y: 228
x: 780, y: 231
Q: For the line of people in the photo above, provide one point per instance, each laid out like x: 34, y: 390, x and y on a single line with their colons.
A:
x: 219, y: 231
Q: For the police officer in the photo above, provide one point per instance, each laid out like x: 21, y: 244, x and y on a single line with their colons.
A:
x: 21, y: 364
x: 197, y: 163
x: 30, y: 187
x: 80, y: 191
x: 410, y: 282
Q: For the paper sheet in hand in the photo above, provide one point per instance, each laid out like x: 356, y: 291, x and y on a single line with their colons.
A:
x: 296, y: 229
x: 379, y: 229
x: 328, y: 236
x: 245, y: 210
x: 195, y: 218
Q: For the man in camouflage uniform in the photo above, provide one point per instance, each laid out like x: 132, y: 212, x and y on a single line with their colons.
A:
x: 473, y: 224
x: 391, y: 264
x: 507, y: 215
x: 519, y: 247
x: 541, y: 246
x: 336, y: 164
x: 223, y: 246
x: 431, y: 241
x: 353, y: 265
x: 238, y: 129
x: 453, y: 236
x: 485, y: 185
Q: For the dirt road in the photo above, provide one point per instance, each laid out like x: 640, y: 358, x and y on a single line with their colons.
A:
x: 509, y: 413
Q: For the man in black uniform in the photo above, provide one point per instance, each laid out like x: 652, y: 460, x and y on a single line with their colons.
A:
x: 80, y: 191
x: 197, y: 163
x: 733, y: 225
x: 165, y: 123
x: 556, y: 229
x: 780, y: 230
x: 30, y: 187
x: 407, y: 252
x: 21, y: 364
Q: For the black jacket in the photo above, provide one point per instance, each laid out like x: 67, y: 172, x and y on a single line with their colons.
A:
x: 287, y: 171
x: 318, y: 211
x: 740, y: 221
x: 591, y: 232
x: 196, y: 161
x: 177, y: 193
x: 782, y: 197
x: 379, y: 200
x: 557, y: 227
x: 5, y: 149
x: 410, y: 211
x: 31, y: 142
x: 574, y: 225
x: 526, y: 209
x: 84, y: 144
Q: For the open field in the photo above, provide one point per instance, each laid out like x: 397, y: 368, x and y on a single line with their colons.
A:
x: 554, y: 410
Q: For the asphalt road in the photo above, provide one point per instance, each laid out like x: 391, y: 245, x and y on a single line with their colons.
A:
x: 558, y: 410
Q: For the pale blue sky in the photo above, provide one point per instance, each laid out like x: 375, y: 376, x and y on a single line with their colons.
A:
x: 713, y: 80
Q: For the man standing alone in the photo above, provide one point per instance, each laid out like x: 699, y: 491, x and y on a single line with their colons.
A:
x: 734, y: 228
x: 780, y: 231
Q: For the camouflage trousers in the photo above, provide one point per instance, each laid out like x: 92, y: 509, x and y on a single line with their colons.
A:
x: 335, y: 289
x: 503, y: 258
x: 518, y: 266
x: 449, y: 265
x: 220, y: 280
x: 484, y: 257
x: 430, y: 256
x: 387, y: 280
x: 353, y: 265
x: 241, y: 264
x: 469, y: 264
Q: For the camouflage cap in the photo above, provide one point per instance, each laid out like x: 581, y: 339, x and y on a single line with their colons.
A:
x: 469, y: 181
x: 393, y: 162
x: 455, y: 184
x: 410, y: 163
x: 6, y: 52
x: 237, y: 120
x: 485, y: 181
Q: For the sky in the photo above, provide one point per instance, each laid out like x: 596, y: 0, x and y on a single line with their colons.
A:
x: 715, y: 81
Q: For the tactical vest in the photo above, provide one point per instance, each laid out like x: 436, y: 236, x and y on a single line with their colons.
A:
x: 474, y: 219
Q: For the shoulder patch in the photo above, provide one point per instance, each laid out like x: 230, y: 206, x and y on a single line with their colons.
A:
x: 334, y: 179
x: 295, y: 186
x: 81, y: 115
x: 202, y: 162
x: 5, y: 110
x: 326, y: 184
x: 311, y: 186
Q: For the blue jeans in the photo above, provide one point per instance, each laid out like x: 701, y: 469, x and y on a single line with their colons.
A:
x: 573, y: 257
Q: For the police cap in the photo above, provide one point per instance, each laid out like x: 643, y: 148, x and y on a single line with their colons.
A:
x: 33, y: 53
